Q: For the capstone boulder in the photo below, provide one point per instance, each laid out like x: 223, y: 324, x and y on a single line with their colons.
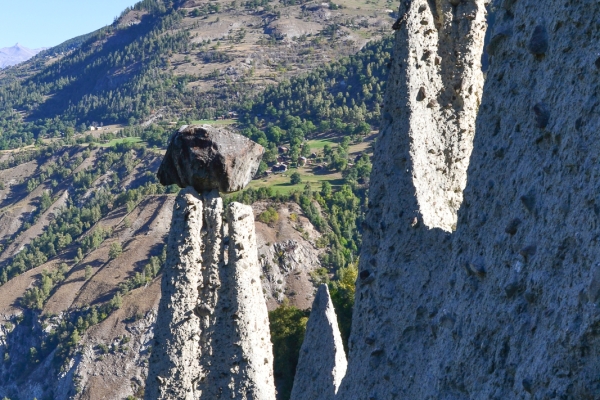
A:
x: 209, y: 158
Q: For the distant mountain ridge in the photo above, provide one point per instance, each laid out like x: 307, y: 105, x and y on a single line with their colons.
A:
x: 10, y: 56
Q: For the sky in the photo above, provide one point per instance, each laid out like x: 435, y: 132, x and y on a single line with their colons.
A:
x: 47, y: 23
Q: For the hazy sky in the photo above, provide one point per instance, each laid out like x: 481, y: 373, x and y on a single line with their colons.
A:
x: 47, y: 23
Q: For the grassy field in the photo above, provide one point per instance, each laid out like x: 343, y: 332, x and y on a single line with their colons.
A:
x: 214, y: 122
x: 318, y: 144
x: 123, y: 140
x: 364, y: 146
x: 281, y: 182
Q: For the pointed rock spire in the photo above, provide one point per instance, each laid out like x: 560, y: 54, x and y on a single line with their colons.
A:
x: 174, y: 365
x: 322, y: 363
x: 237, y: 359
x: 212, y: 338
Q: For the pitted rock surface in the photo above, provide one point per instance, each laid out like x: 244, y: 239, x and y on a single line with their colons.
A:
x: 507, y: 306
x: 322, y: 361
x: 437, y: 82
x: 212, y: 337
x: 174, y: 362
x: 208, y: 158
x: 237, y: 359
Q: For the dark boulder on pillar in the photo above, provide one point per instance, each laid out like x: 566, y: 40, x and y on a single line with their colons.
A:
x: 209, y: 158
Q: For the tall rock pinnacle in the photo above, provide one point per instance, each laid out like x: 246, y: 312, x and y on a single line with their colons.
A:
x: 322, y: 362
x: 238, y: 358
x: 492, y: 292
x: 212, y: 337
x: 418, y: 177
x: 174, y: 362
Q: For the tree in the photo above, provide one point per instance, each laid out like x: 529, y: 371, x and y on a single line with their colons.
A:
x: 288, y: 325
x: 115, y: 250
x: 88, y: 272
x: 70, y: 132
x: 32, y: 184
x: 117, y: 301
x: 94, y: 316
x: 274, y: 134
x: 305, y: 152
x: 295, y: 178
x: 262, y: 167
x: 74, y: 338
x: 79, y: 256
x: 345, y: 144
x: 45, y: 201
x: 325, y: 189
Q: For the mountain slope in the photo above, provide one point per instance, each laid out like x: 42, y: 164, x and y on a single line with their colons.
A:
x: 10, y: 56
x: 109, y: 296
x: 82, y: 219
x: 182, y: 61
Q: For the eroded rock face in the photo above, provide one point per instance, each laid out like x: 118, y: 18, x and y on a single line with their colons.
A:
x: 238, y: 359
x: 212, y: 337
x: 174, y: 362
x: 506, y: 306
x: 288, y: 256
x: 322, y: 362
x: 436, y: 81
x: 208, y: 158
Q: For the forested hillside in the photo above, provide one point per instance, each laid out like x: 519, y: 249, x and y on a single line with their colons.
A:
x: 83, y: 220
x: 171, y: 61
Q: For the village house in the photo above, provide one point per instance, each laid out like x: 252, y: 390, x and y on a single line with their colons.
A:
x: 279, y: 168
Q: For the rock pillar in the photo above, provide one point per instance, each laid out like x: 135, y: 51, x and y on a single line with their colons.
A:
x: 174, y: 365
x: 322, y: 362
x: 504, y: 305
x: 212, y: 336
x: 238, y: 359
x: 419, y: 173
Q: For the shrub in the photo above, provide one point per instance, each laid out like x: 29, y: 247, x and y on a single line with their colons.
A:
x: 115, y: 250
x: 295, y: 178
x: 320, y: 276
x: 88, y: 272
x: 269, y: 216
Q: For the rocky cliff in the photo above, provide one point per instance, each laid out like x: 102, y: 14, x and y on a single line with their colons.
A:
x: 212, y: 335
x: 504, y: 304
x: 478, y: 276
